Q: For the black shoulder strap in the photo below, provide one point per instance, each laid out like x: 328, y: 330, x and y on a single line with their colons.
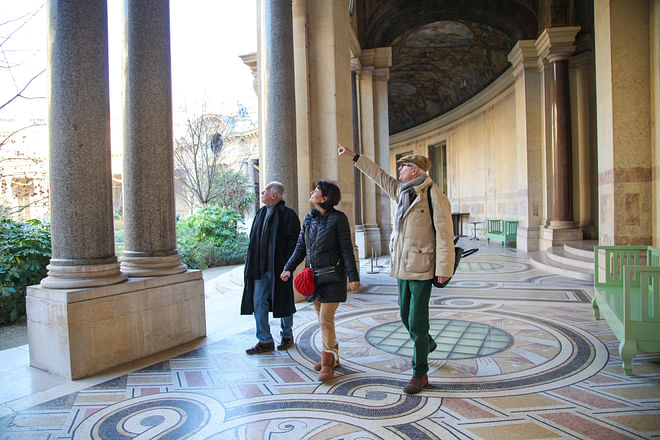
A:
x: 428, y: 195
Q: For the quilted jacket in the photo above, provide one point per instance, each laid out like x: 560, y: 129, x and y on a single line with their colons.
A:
x: 325, y: 240
x: 415, y: 252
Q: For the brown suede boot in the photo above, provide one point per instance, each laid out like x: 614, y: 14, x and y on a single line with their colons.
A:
x: 327, y: 366
x: 317, y: 366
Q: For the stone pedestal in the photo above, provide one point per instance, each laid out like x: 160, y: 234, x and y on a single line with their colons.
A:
x: 527, y: 239
x: 554, y: 236
x: 367, y: 237
x: 78, y: 332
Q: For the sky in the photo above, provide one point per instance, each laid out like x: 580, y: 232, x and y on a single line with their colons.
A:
x: 207, y: 38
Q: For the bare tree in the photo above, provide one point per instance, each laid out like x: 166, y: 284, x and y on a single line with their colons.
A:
x: 16, y: 167
x: 10, y: 61
x: 205, y: 168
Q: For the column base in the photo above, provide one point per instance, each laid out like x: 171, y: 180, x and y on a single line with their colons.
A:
x: 562, y: 224
x: 152, y: 266
x: 555, y: 236
x: 367, y: 237
x: 527, y: 239
x: 75, y: 333
x: 82, y: 276
x: 385, y: 235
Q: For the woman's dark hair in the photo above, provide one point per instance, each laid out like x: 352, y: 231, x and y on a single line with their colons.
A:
x: 329, y: 190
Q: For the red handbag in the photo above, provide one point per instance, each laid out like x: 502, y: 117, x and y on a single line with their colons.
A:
x: 304, y: 282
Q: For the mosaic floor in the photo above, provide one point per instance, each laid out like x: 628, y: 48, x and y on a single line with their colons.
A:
x: 519, y: 357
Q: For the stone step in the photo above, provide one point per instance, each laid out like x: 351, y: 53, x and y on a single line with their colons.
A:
x: 582, y: 248
x: 560, y: 255
x: 541, y: 260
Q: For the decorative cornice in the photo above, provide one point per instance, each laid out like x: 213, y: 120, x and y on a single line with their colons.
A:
x: 557, y: 43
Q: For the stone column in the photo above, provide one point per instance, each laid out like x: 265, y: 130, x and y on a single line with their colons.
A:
x: 374, y: 143
x: 556, y: 45
x: 149, y: 213
x: 382, y: 144
x: 323, y: 84
x: 367, y: 144
x: 83, y: 252
x: 585, y: 185
x: 529, y: 145
x: 626, y: 75
x: 562, y: 200
x: 355, y: 104
x: 367, y: 234
x: 278, y: 94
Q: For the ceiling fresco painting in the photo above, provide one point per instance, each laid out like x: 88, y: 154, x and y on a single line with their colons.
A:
x: 455, y: 62
x: 443, y: 51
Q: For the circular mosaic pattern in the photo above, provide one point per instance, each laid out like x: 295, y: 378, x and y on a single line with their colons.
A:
x: 477, y: 266
x: 480, y: 266
x: 455, y: 339
x: 530, y: 353
x: 171, y: 415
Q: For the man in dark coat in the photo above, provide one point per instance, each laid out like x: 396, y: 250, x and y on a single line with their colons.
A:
x: 272, y: 240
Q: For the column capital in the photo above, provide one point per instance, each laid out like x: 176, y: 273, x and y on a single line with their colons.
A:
x: 356, y: 65
x: 367, y: 70
x: 557, y: 43
x: 250, y: 60
x: 378, y: 57
x: 382, y: 74
x: 524, y: 55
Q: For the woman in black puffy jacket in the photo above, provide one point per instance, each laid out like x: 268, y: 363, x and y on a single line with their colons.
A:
x: 325, y: 243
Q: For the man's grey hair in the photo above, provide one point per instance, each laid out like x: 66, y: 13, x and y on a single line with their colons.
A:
x: 277, y: 188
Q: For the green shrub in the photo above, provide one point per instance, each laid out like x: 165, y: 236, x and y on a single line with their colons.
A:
x: 210, y: 238
x: 24, y: 254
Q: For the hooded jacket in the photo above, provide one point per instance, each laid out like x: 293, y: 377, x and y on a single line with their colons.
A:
x: 417, y: 253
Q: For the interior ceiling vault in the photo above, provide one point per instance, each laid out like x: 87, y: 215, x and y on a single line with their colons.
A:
x: 443, y: 51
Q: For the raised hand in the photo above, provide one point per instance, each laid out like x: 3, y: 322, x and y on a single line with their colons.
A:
x: 342, y: 149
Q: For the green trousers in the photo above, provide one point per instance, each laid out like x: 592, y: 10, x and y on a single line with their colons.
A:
x: 414, y: 297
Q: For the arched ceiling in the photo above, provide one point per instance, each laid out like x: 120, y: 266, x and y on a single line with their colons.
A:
x: 443, y: 51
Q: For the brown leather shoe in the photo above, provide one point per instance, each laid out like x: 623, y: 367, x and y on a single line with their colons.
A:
x: 416, y: 384
x: 286, y: 343
x: 261, y: 347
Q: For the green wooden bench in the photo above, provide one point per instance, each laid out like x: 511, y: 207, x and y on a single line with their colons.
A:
x: 627, y: 295
x: 502, y: 230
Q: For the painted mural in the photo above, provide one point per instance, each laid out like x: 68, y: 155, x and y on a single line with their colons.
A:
x: 443, y: 51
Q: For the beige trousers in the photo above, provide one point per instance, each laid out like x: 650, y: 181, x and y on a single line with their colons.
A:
x: 326, y: 315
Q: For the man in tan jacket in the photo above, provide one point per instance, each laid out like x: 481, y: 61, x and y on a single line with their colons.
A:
x: 417, y: 252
